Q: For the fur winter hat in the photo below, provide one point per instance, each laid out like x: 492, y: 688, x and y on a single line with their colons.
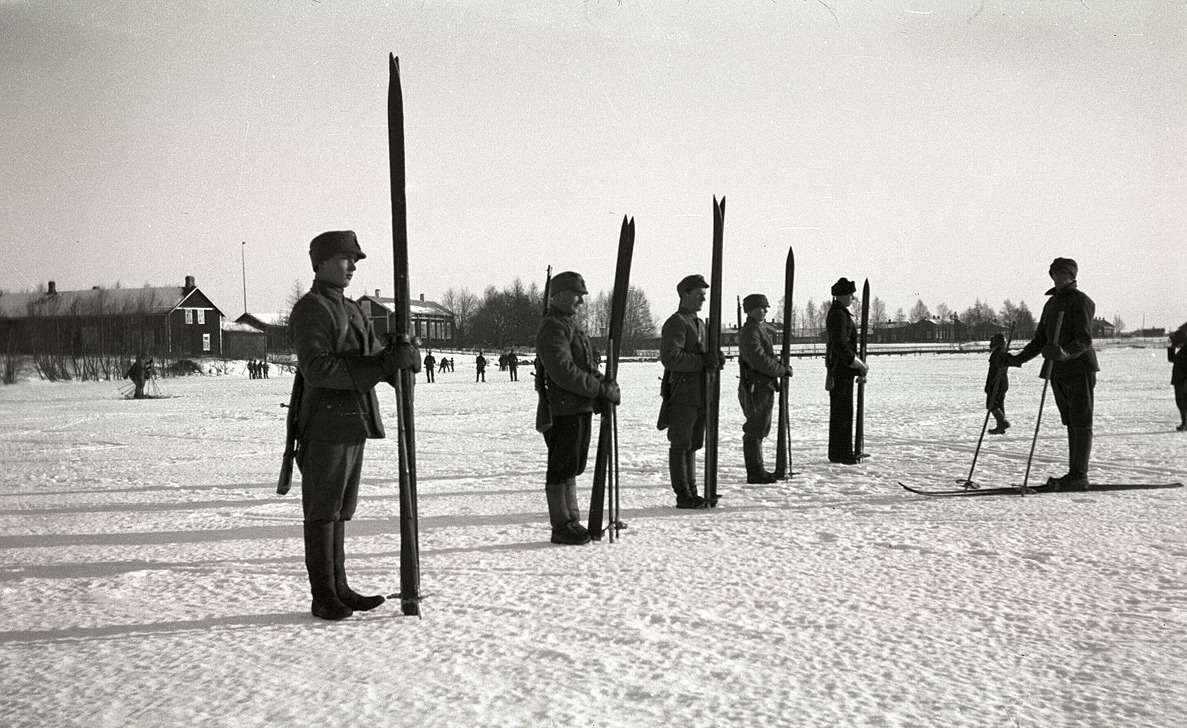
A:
x: 843, y: 287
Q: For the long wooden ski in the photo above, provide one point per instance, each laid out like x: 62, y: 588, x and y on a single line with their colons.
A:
x: 402, y: 326
x: 859, y: 439
x: 783, y: 465
x: 605, y: 466
x: 713, y: 348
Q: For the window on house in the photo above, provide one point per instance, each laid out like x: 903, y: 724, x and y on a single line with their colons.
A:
x: 189, y: 316
x: 205, y: 342
x: 201, y: 316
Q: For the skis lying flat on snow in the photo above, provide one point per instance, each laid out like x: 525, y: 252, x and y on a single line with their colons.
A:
x: 713, y: 348
x: 402, y: 325
x: 1045, y: 488
x: 606, y: 464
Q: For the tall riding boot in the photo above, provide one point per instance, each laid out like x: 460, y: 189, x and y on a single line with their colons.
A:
x: 319, y: 562
x: 678, y: 472
x: 752, y: 453
x: 999, y: 417
x: 1080, y: 455
x: 690, y: 472
x: 346, y: 595
x: 558, y: 517
x: 574, y: 507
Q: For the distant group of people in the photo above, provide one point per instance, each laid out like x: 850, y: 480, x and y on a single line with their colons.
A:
x: 341, y: 360
x: 257, y: 369
x: 432, y: 367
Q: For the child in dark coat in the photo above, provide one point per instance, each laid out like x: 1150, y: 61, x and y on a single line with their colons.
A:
x: 997, y: 381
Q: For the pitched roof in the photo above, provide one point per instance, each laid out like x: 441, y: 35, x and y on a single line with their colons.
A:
x: 415, y: 306
x: 151, y: 300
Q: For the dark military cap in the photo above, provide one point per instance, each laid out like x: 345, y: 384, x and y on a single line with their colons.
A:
x: 1064, y: 264
x: 567, y: 281
x: 688, y: 283
x: 843, y: 287
x: 755, y: 300
x: 327, y: 245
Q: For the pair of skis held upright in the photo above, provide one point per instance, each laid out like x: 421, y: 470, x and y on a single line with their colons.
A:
x: 606, y: 463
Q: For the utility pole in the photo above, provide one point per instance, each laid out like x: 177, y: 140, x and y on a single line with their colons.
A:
x: 243, y: 265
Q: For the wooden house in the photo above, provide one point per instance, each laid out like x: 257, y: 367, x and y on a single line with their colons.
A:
x: 173, y: 321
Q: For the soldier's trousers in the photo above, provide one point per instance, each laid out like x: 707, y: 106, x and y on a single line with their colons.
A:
x: 686, y: 427
x: 756, y: 408
x: 568, y: 446
x: 330, y: 479
x: 1074, y: 398
x: 840, y: 418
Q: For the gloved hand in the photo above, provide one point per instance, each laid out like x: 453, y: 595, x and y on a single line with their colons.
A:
x: 1054, y: 352
x: 790, y: 373
x: 401, y: 354
x: 609, y: 392
x: 713, y: 362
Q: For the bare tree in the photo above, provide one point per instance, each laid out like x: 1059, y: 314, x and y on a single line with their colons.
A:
x: 878, y: 310
x: 919, y: 311
x: 463, y: 304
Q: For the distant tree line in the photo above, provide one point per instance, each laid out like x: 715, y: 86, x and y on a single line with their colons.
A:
x: 809, y: 321
x: 504, y: 319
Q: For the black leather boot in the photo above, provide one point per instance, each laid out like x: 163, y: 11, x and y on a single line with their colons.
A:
x: 756, y: 473
x: 563, y: 531
x: 346, y: 595
x: 319, y: 562
x: 686, y: 496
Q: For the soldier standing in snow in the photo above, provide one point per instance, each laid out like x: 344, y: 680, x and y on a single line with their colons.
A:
x: 513, y: 365
x: 1073, y: 366
x: 997, y: 381
x: 480, y: 368
x: 340, y: 361
x: 572, y: 386
x: 843, y: 366
x: 430, y: 361
x: 1176, y: 353
x: 761, y: 373
x: 682, y: 351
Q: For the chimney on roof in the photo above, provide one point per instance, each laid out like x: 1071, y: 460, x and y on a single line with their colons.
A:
x: 53, y: 289
x: 422, y: 296
x: 377, y: 293
x: 189, y: 284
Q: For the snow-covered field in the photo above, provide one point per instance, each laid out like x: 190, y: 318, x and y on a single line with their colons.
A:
x: 151, y: 576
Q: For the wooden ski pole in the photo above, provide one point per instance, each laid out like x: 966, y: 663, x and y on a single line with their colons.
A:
x: 1042, y: 399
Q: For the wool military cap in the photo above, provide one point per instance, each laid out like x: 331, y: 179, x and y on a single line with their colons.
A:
x: 567, y: 281
x: 1064, y: 264
x: 688, y: 283
x: 843, y: 287
x: 327, y: 245
x: 755, y: 300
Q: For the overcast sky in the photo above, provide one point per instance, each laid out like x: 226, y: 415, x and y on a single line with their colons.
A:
x: 947, y: 150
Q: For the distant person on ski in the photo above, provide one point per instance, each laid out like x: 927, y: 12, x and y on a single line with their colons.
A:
x: 843, y: 367
x: 1176, y: 353
x: 430, y: 362
x: 761, y: 372
x: 683, y: 352
x: 997, y: 381
x: 339, y: 360
x: 574, y: 389
x: 480, y: 368
x: 1073, y: 366
x: 138, y: 373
